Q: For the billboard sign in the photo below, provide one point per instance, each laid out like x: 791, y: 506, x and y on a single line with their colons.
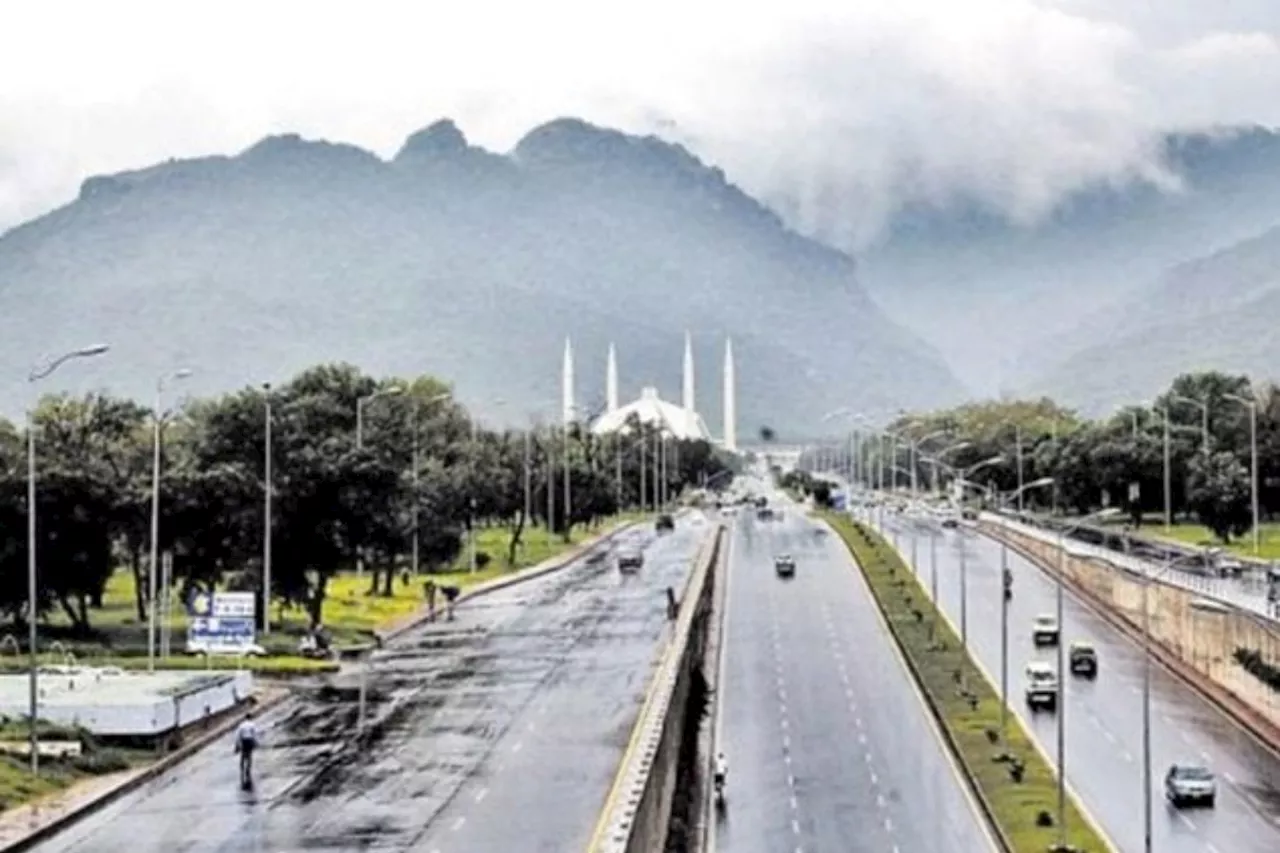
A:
x: 222, y: 623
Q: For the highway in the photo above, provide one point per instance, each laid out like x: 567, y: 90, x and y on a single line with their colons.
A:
x: 1104, y: 717
x: 830, y: 748
x: 502, y: 731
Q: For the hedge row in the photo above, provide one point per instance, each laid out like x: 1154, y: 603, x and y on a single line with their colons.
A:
x: 1017, y: 786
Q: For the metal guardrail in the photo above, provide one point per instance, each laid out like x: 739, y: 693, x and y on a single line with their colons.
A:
x: 1249, y: 595
x: 618, y: 817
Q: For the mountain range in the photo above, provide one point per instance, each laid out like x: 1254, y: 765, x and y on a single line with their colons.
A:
x: 454, y: 260
x: 1116, y: 292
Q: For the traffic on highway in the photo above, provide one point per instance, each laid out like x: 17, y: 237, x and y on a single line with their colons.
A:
x: 1103, y: 711
x: 830, y: 746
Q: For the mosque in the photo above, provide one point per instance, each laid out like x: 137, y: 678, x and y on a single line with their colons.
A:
x: 680, y: 421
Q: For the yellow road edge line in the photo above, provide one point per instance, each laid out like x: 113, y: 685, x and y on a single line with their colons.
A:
x: 991, y: 682
x: 637, y: 728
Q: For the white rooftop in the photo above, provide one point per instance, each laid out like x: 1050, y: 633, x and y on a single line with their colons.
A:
x: 652, y: 410
x: 111, y: 701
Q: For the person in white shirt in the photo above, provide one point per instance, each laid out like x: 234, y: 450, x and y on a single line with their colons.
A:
x: 246, y: 743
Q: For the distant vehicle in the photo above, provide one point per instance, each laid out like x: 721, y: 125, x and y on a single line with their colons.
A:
x: 1042, y: 687
x: 950, y: 518
x: 785, y: 566
x: 1045, y: 631
x: 1190, y: 784
x: 665, y: 522
x: 1083, y: 660
x: 764, y: 513
x: 630, y: 560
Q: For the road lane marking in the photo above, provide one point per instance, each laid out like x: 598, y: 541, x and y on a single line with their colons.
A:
x: 481, y: 794
x: 457, y: 824
x: 794, y: 804
x: 1187, y: 821
x: 795, y: 826
x: 518, y: 746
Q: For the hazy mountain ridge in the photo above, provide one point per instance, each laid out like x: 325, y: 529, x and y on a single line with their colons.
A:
x: 1216, y: 312
x: 455, y: 260
x: 1005, y: 303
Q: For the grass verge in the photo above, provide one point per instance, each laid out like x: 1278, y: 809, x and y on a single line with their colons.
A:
x: 350, y: 612
x: 967, y: 705
x: 19, y: 786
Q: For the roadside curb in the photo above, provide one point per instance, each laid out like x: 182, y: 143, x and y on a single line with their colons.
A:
x: 1220, y: 697
x: 231, y: 719
x: 560, y: 561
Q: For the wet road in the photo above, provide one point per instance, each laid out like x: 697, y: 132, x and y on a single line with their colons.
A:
x: 1104, y: 717
x: 830, y: 749
x: 500, y: 731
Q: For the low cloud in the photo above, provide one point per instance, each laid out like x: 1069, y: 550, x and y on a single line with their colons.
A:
x: 842, y: 113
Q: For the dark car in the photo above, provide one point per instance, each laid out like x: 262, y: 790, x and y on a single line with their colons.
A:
x: 1083, y: 660
x: 665, y: 522
x: 785, y: 566
x: 630, y: 560
x: 764, y: 513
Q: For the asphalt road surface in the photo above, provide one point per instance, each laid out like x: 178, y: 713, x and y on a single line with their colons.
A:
x: 1104, y: 717
x: 500, y: 731
x: 830, y: 748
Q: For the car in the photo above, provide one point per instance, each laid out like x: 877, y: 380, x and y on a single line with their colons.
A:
x: 1045, y: 631
x: 950, y: 522
x: 784, y: 565
x: 1190, y: 784
x: 630, y: 560
x: 764, y: 514
x: 665, y: 522
x: 1042, y: 687
x: 1083, y: 660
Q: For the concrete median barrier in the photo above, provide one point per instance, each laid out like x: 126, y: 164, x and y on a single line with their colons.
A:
x: 637, y: 812
x: 1194, y: 637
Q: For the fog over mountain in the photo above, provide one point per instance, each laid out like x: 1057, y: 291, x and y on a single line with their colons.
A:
x: 1007, y: 304
x: 454, y: 260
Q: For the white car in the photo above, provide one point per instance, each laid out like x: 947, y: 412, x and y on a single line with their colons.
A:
x: 1042, y: 686
x: 1044, y: 631
x: 1187, y: 784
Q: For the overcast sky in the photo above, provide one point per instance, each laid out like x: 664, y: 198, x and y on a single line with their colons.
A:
x: 849, y: 108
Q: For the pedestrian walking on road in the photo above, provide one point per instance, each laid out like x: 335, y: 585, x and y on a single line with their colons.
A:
x: 429, y: 590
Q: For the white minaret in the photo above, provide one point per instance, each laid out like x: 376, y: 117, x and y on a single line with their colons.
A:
x: 611, y: 380
x: 687, y: 400
x: 730, y: 400
x: 566, y: 380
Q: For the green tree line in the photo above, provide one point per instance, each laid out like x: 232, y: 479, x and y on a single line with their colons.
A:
x: 421, y: 463
x: 1119, y: 460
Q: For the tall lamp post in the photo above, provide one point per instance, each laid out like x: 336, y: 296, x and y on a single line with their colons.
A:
x: 1252, y: 404
x: 1203, y: 406
x: 266, y: 509
x: 33, y: 610
x: 1006, y: 582
x: 416, y: 463
x: 1063, y: 533
x: 154, y: 566
x: 962, y: 477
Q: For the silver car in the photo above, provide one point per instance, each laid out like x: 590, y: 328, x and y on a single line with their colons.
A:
x: 1190, y: 784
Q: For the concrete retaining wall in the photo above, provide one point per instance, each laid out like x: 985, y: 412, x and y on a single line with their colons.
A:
x: 1193, y: 636
x: 637, y: 813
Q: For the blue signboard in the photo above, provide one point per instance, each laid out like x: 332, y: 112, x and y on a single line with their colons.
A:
x: 221, y: 622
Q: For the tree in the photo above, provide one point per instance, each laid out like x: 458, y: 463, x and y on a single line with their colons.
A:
x: 1218, y: 486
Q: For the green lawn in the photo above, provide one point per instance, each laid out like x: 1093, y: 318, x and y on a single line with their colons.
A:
x: 971, y: 716
x: 349, y: 611
x: 1198, y: 534
x: 18, y: 786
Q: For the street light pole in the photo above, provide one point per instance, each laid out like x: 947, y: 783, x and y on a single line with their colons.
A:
x: 266, y: 514
x: 1168, y: 474
x: 154, y: 566
x: 1253, y: 461
x: 33, y: 609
